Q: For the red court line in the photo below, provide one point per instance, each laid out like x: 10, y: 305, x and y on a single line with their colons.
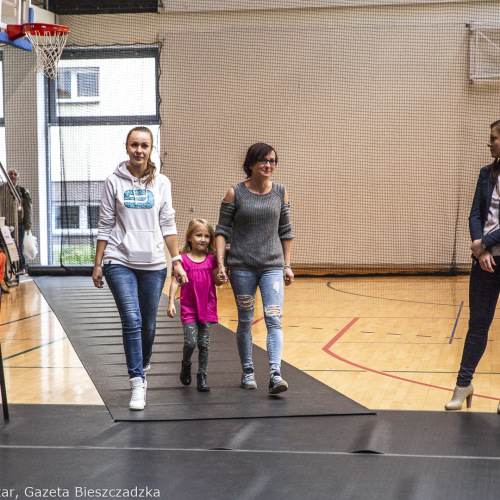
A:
x: 257, y: 320
x: 365, y: 317
x: 327, y: 349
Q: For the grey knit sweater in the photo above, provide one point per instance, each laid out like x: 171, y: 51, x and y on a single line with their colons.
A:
x: 255, y: 224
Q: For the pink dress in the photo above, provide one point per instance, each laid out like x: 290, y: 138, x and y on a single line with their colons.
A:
x: 198, y: 297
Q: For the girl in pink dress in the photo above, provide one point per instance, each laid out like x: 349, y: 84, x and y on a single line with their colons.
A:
x: 198, y: 298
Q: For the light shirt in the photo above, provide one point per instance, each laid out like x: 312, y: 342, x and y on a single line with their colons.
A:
x: 492, y: 222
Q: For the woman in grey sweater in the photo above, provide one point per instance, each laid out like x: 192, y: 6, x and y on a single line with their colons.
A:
x: 255, y: 216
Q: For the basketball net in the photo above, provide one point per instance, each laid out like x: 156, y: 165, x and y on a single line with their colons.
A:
x: 48, y: 46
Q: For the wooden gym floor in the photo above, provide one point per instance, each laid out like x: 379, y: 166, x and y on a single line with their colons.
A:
x: 389, y: 343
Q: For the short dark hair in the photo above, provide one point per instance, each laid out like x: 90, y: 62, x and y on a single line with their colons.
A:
x: 255, y: 153
x: 495, y: 124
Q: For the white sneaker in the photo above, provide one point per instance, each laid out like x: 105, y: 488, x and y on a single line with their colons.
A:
x: 138, y: 400
x: 248, y: 380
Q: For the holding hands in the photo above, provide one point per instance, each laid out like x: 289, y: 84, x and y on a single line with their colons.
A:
x: 221, y: 276
x: 179, y: 273
x: 171, y: 309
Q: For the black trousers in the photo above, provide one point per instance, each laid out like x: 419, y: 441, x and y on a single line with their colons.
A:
x: 484, y: 289
x: 20, y: 235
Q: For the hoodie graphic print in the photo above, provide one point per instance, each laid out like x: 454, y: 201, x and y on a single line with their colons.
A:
x: 134, y: 219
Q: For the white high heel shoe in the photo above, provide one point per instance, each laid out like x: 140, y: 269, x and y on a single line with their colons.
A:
x: 459, y: 395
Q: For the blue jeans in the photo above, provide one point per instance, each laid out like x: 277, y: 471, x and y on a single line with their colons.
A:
x: 484, y: 289
x: 137, y: 295
x: 244, y: 285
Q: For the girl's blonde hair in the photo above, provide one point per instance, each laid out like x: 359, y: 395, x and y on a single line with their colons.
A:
x: 193, y: 223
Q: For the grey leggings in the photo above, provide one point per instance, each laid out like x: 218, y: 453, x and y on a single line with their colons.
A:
x: 197, y: 333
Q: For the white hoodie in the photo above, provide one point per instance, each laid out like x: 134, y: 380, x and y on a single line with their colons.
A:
x: 133, y: 220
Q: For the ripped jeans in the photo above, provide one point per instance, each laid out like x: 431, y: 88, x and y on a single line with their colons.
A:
x: 244, y: 285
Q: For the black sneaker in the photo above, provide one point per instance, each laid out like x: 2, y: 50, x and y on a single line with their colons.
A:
x: 277, y: 384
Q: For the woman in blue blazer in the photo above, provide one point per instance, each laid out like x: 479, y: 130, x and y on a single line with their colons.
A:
x: 484, y: 284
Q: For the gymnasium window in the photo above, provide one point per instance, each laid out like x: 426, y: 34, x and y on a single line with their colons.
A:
x: 105, y: 86
x: 76, y: 217
x: 91, y: 107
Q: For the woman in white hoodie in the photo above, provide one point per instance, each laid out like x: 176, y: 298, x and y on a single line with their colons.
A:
x: 136, y: 218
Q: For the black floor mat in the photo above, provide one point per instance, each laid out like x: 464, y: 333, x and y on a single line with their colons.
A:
x: 92, y: 323
x: 393, y: 455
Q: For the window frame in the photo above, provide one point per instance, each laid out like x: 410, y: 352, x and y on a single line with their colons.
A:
x: 58, y: 217
x: 74, y: 98
x: 84, y: 220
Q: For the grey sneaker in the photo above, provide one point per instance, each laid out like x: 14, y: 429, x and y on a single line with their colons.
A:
x: 248, y: 380
x: 277, y: 384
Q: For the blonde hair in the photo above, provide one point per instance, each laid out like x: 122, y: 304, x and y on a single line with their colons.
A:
x: 193, y: 223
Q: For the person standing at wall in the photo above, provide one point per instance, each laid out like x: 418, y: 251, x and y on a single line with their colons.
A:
x: 24, y: 211
x: 484, y: 283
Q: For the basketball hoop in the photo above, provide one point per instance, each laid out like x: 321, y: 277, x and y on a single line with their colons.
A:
x: 48, y: 41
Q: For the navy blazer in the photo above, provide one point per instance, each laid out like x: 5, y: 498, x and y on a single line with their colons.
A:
x: 480, y: 208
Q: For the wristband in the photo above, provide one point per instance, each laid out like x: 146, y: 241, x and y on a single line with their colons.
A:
x: 177, y: 257
x: 286, y: 266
